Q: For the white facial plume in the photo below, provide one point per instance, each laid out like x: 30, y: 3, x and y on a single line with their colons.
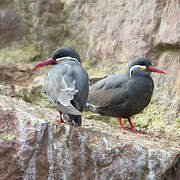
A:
x: 136, y: 66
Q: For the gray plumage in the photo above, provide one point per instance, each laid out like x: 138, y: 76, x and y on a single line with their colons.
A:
x: 124, y: 94
x: 66, y: 84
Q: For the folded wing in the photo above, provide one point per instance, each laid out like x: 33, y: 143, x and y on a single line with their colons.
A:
x: 60, y: 88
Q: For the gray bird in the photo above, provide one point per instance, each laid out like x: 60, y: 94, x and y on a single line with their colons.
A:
x: 125, y: 94
x: 66, y: 84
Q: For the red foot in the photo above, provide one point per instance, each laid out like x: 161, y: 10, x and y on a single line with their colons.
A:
x: 132, y: 127
x: 136, y: 131
x: 60, y: 120
x: 120, y: 121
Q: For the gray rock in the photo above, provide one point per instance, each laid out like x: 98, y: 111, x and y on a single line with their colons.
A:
x: 33, y: 147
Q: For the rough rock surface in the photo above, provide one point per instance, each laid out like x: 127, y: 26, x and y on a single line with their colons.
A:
x: 115, y: 32
x: 11, y: 26
x: 116, y: 28
x: 34, y: 146
x: 108, y: 34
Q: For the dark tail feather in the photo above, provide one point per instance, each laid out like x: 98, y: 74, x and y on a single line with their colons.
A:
x: 90, y: 107
x: 70, y: 109
x: 77, y: 120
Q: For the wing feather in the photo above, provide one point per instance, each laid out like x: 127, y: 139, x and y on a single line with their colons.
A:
x: 59, y: 86
x: 107, y: 97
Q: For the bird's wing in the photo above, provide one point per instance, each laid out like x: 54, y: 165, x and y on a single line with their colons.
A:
x: 109, y: 91
x: 110, y: 82
x: 107, y: 97
x: 60, y: 88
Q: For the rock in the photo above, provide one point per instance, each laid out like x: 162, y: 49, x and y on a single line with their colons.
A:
x: 12, y: 28
x: 34, y: 146
x: 116, y: 29
x: 119, y: 31
x: 108, y: 35
x: 169, y: 23
x: 8, y: 90
x: 51, y: 18
x: 168, y: 86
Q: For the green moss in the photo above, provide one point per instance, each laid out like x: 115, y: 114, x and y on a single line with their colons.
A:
x: 177, y: 124
x: 167, y: 48
x: 152, y: 116
x: 7, y: 136
x: 175, y: 128
x: 98, y: 117
x: 35, y: 96
x: 18, y: 53
x: 160, y: 49
x: 96, y: 71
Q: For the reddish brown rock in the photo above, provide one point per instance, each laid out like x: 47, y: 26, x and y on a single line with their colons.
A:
x: 169, y: 27
x: 116, y: 28
x: 34, y: 148
x: 115, y: 32
x: 118, y: 31
x: 169, y: 86
x: 11, y: 26
x: 51, y: 20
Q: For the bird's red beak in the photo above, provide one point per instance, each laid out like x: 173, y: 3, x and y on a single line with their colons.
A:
x: 154, y: 69
x: 45, y: 63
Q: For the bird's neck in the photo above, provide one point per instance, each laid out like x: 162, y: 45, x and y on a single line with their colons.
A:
x: 145, y: 82
x: 67, y: 58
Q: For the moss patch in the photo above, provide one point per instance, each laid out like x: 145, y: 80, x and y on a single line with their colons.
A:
x: 177, y: 124
x: 7, y: 136
x: 19, y: 53
x: 152, y: 116
x: 94, y: 70
x: 34, y: 95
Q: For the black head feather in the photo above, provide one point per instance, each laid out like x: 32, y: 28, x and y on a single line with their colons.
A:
x: 66, y: 52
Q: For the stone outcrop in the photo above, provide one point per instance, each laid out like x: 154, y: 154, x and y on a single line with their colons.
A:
x: 115, y: 32
x: 105, y: 30
x: 107, y: 34
x: 34, y: 146
x: 12, y: 29
x: 120, y: 29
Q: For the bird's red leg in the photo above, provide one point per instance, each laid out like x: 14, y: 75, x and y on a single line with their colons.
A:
x: 132, y: 127
x: 60, y: 118
x: 120, y: 121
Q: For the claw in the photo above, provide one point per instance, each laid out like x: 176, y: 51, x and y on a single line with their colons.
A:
x: 132, y: 127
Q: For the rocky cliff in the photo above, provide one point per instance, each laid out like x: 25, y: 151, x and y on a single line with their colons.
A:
x: 34, y: 146
x: 108, y: 35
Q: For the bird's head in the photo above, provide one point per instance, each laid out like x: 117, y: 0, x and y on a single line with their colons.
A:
x: 59, y: 55
x: 142, y: 66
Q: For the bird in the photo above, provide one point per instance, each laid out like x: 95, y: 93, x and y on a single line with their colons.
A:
x: 66, y: 84
x: 124, y: 95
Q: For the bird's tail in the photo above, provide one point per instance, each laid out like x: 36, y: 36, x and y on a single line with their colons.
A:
x: 70, y: 109
x: 91, y: 107
x: 71, y: 118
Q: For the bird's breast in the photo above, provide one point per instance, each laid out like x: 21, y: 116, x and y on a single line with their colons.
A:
x: 140, y: 93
